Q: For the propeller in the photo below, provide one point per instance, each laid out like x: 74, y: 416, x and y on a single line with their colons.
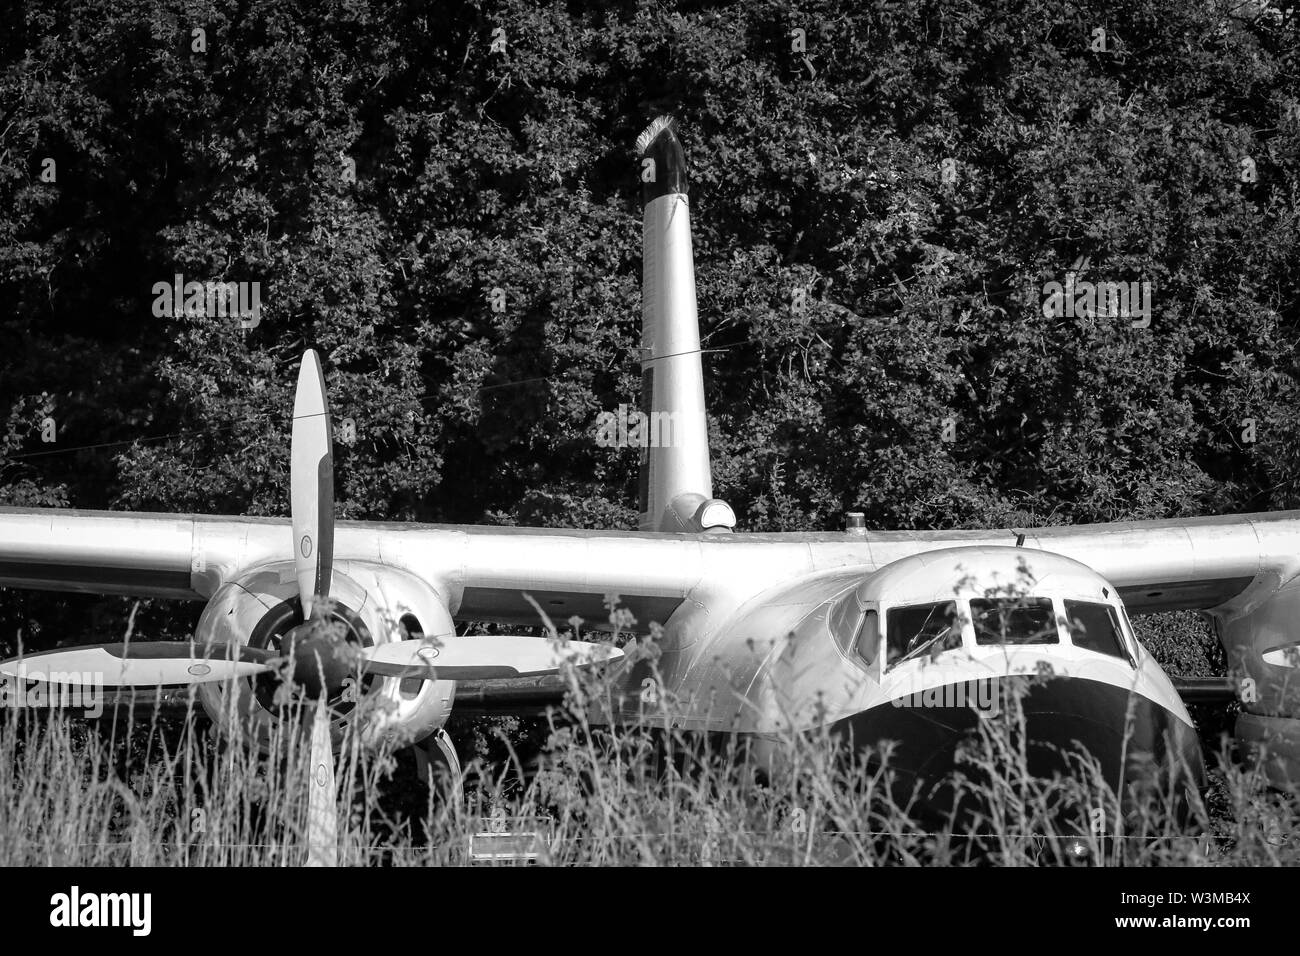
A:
x: 315, y: 655
x: 485, y: 658
x: 311, y: 485
x: 322, y: 794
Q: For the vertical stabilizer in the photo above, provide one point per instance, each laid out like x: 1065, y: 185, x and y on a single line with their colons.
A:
x: 676, y: 484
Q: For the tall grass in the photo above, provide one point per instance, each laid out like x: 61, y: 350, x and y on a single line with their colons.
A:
x: 152, y: 787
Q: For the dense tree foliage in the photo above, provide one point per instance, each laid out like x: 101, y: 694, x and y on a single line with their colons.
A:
x: 875, y: 219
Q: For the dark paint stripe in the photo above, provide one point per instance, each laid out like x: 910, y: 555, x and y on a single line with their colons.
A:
x: 325, y: 519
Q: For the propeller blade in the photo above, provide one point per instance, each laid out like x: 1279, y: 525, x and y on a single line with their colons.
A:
x: 322, y: 799
x: 311, y: 479
x: 483, y: 658
x: 144, y: 664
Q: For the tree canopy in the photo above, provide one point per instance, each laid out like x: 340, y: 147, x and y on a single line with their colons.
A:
x: 880, y: 192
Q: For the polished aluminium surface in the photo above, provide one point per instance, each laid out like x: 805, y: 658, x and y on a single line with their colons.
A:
x: 1243, y: 558
x: 709, y: 578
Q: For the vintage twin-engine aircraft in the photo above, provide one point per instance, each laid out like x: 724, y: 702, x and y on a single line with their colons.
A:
x: 762, y: 634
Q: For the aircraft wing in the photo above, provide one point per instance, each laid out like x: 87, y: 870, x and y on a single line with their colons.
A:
x: 143, y: 555
x: 484, y: 571
x: 1206, y: 563
x: 1229, y: 565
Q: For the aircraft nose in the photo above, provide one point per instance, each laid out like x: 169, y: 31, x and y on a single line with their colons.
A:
x: 1129, y: 736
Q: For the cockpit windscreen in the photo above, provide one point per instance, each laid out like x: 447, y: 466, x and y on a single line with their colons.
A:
x: 1026, y: 620
x: 922, y: 627
x: 1095, y: 627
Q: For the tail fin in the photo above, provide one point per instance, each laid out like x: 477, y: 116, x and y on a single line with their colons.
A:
x: 676, y: 486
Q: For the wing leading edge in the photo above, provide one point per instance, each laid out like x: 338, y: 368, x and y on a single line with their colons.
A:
x: 1178, y: 564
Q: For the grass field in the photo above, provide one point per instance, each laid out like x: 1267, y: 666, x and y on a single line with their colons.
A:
x: 155, y: 788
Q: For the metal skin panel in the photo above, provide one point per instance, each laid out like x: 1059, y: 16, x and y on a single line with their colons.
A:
x: 775, y: 670
x: 966, y: 571
x: 772, y: 665
x: 97, y: 553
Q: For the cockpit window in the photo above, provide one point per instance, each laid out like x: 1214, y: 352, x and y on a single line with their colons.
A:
x: 844, y: 620
x: 855, y: 629
x: 1025, y: 620
x: 868, y: 640
x: 920, y: 628
x: 1095, y: 627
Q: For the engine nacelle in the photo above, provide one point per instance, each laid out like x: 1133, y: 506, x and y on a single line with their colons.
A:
x: 1263, y: 644
x: 377, y: 604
